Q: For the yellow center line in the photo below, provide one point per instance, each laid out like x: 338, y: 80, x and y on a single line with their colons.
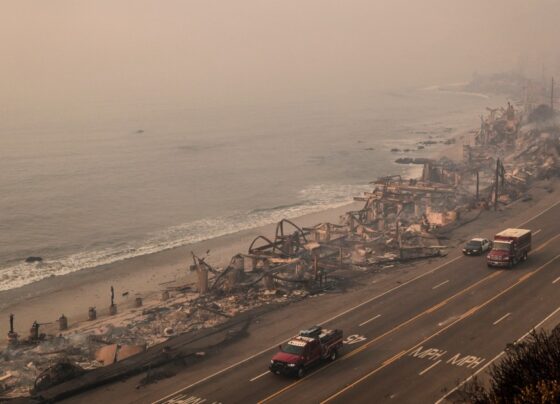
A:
x: 428, y: 311
x: 543, y: 245
x: 465, y: 315
x: 394, y: 358
x: 392, y: 330
x: 416, y: 317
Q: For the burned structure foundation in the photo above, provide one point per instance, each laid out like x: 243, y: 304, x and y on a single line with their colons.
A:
x: 400, y: 220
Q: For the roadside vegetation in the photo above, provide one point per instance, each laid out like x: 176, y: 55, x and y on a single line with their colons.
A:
x: 529, y: 372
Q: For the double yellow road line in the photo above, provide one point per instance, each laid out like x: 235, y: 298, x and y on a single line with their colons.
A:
x: 463, y: 316
x: 386, y: 333
x: 437, y: 306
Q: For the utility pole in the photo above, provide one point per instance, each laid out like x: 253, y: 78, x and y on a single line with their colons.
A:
x: 552, y: 94
x: 477, y: 184
x: 496, y: 185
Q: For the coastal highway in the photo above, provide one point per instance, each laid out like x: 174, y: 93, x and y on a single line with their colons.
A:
x: 413, y: 342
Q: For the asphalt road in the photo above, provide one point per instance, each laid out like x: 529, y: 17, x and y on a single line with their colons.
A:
x: 413, y: 342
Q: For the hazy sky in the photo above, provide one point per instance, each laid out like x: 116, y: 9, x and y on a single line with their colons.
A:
x: 65, y: 51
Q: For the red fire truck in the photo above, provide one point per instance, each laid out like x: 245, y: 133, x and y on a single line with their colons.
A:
x: 509, y: 247
x: 306, y: 349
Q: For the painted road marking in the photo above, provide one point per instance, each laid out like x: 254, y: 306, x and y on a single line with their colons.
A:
x: 247, y: 359
x: 440, y: 284
x: 538, y: 214
x: 447, y: 321
x: 367, y: 321
x: 433, y: 365
x: 556, y: 280
x: 354, y: 339
x: 412, y: 319
x: 465, y: 315
x: 259, y: 376
x: 184, y: 399
x: 543, y: 245
x: 440, y: 401
x: 379, y: 337
x: 470, y: 361
x: 501, y: 318
x: 376, y: 297
x: 422, y: 275
x: 431, y: 271
x: 537, y: 232
x: 429, y: 353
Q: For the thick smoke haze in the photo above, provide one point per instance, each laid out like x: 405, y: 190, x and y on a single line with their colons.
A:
x: 66, y: 52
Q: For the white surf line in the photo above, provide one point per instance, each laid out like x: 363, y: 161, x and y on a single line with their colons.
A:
x: 429, y: 367
x: 537, y: 232
x: 259, y: 376
x: 495, y: 358
x: 556, y: 280
x: 219, y: 372
x: 367, y: 321
x: 501, y: 318
x: 440, y: 284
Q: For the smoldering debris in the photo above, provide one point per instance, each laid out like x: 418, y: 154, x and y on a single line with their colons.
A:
x: 401, y: 219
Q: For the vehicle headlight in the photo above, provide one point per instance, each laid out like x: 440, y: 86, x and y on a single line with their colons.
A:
x: 291, y: 365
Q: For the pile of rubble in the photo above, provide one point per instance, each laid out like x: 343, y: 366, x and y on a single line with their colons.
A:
x: 537, y: 155
x: 107, y: 340
x: 401, y: 219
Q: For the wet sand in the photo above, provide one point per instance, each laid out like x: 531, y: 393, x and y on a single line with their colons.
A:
x: 143, y: 276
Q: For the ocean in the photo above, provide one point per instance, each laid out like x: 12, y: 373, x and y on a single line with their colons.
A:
x: 107, y: 181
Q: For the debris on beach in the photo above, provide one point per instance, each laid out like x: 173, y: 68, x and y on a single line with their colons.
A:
x: 401, y: 219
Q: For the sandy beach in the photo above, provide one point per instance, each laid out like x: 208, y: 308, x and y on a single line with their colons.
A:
x: 144, y: 276
x: 147, y: 275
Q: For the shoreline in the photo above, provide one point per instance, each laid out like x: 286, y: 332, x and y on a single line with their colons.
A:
x: 61, y: 257
x: 146, y: 275
x: 72, y: 294
x: 142, y: 276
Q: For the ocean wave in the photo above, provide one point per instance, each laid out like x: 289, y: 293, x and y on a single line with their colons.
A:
x: 469, y: 93
x: 312, y: 199
x: 450, y: 88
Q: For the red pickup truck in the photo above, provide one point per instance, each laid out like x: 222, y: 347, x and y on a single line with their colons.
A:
x: 510, y: 247
x: 306, y: 349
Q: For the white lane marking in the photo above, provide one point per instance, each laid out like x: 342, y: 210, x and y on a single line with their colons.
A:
x: 556, y: 280
x: 219, y: 372
x: 431, y: 271
x: 354, y: 339
x: 501, y: 318
x: 429, y: 367
x: 184, y: 399
x: 428, y: 353
x: 259, y: 376
x: 470, y: 361
x: 537, y: 232
x: 367, y: 321
x: 440, y: 284
x: 494, y: 358
x: 538, y: 214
